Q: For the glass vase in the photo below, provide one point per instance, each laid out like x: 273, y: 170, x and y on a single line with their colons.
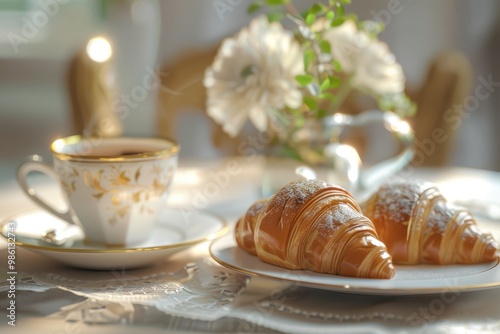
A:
x: 324, y: 147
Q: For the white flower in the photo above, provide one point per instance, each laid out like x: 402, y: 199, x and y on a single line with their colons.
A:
x: 346, y: 43
x: 373, y: 68
x: 377, y: 70
x: 253, y: 74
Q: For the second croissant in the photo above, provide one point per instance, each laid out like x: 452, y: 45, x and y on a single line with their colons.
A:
x: 418, y: 225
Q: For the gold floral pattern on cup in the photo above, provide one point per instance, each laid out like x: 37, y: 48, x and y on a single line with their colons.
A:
x: 124, y: 186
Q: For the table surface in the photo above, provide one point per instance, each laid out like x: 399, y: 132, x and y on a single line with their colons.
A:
x: 189, y: 292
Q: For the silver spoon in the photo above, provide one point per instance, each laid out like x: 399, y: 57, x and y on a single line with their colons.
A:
x: 63, y: 236
x: 57, y: 237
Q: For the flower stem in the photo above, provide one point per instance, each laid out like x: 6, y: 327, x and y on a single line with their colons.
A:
x: 290, y: 8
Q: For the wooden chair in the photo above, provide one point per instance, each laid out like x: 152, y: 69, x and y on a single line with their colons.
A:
x: 93, y: 97
x: 445, y: 86
x: 439, y: 100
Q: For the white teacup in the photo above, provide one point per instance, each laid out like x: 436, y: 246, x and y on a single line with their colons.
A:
x: 114, y: 186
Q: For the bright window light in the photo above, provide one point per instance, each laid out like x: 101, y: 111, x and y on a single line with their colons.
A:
x: 99, y: 49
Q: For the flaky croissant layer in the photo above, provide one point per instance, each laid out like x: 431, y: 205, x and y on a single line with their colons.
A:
x: 315, y: 226
x: 418, y: 225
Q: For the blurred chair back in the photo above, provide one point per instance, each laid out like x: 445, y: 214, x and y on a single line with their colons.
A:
x: 93, y: 95
x: 439, y: 100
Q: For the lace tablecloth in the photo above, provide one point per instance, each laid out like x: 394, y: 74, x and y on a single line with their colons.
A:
x: 201, y: 296
x: 189, y: 292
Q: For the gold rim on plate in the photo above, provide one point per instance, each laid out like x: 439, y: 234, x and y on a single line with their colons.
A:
x: 350, y: 288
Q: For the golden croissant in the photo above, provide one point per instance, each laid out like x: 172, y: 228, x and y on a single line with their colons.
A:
x: 313, y: 225
x: 418, y: 225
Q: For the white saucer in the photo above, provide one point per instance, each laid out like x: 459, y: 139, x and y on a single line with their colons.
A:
x: 175, y: 230
x: 409, y: 280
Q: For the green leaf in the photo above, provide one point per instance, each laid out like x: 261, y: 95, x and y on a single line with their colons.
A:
x: 346, y: 2
x: 337, y: 22
x: 318, y: 8
x: 337, y: 67
x: 327, y: 96
x: 325, y: 84
x: 325, y: 46
x: 308, y: 58
x: 275, y: 2
x: 330, y: 15
x: 310, y: 18
x: 334, y: 82
x: 310, y: 102
x: 304, y: 79
x: 275, y: 16
x: 253, y: 7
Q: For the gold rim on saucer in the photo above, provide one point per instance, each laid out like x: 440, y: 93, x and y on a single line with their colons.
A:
x: 214, y: 235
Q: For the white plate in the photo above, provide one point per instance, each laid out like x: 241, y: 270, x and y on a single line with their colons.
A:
x: 175, y: 230
x: 409, y: 280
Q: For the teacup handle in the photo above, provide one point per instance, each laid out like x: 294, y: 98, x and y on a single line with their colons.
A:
x: 392, y: 123
x: 35, y: 164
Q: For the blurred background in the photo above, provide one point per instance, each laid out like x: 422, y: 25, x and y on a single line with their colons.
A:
x: 44, y: 83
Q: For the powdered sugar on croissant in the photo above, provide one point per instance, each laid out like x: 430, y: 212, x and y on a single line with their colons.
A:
x: 315, y: 226
x: 418, y: 225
